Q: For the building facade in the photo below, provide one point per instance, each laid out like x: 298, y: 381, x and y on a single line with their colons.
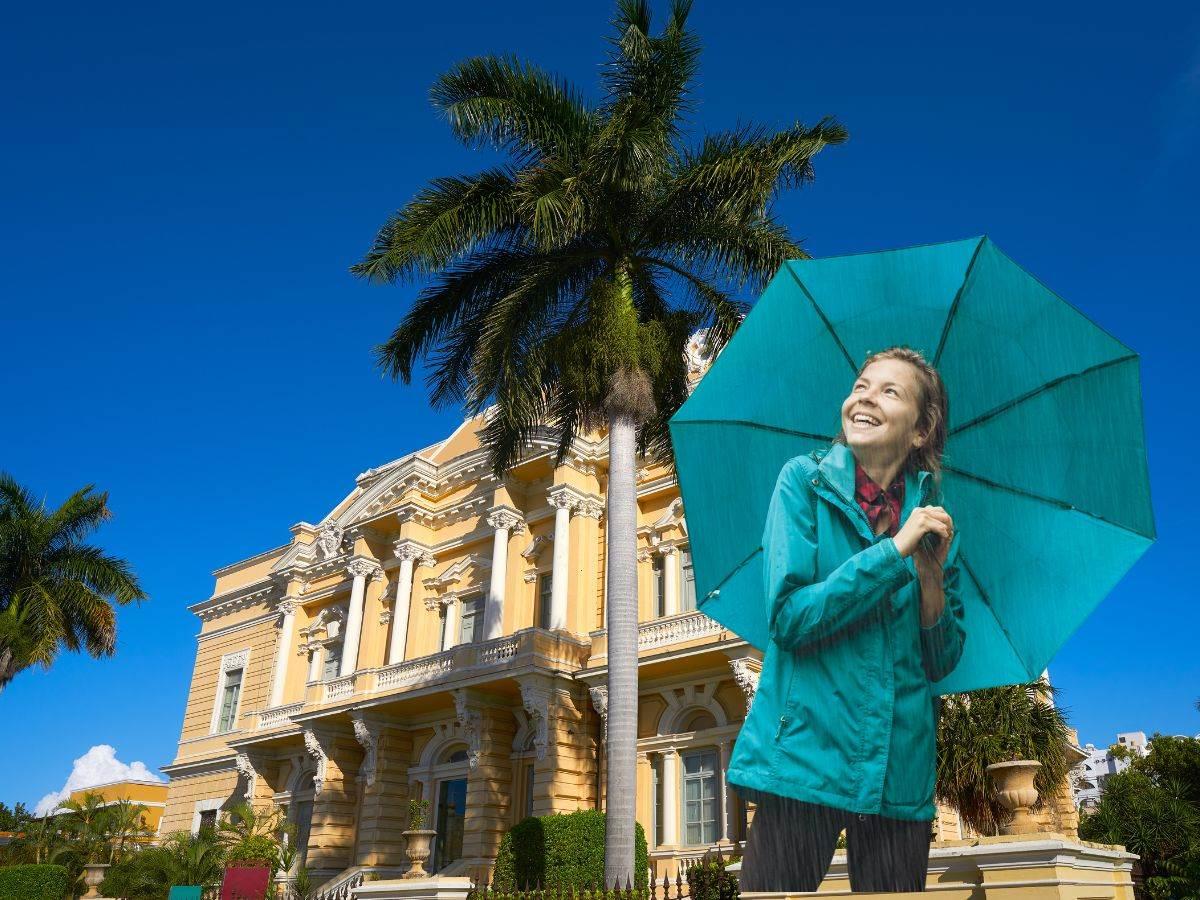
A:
x: 440, y: 635
x: 1090, y: 773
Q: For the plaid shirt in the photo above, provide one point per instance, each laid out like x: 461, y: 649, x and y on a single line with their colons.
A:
x: 874, y: 500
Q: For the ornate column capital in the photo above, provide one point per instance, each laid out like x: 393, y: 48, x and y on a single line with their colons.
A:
x: 506, y: 517
x: 287, y: 606
x: 406, y: 549
x: 361, y: 567
x: 591, y: 508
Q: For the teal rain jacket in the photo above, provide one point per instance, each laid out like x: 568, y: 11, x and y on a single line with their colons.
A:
x: 844, y: 714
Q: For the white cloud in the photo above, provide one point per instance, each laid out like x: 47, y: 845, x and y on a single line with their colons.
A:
x: 98, y: 766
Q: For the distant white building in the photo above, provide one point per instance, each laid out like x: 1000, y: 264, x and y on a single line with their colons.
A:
x: 1089, y: 775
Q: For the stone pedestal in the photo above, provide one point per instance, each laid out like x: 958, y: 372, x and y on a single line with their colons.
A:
x: 435, y: 888
x: 1046, y: 866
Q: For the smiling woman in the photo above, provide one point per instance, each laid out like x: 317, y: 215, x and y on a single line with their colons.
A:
x: 842, y: 731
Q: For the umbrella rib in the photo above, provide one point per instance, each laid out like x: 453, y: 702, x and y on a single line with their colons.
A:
x: 820, y: 312
x: 1029, y: 395
x: 1041, y: 498
x: 937, y: 357
x: 962, y: 558
x: 746, y: 423
x: 732, y: 572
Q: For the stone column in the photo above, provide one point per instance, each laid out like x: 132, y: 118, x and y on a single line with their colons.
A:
x: 359, y: 569
x: 450, y: 638
x: 726, y: 829
x: 564, y: 503
x: 409, y: 553
x: 671, y: 797
x: 670, y: 580
x: 314, y: 664
x: 283, y: 650
x: 506, y: 521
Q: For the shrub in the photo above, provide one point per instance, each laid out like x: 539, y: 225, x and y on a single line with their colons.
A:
x: 708, y: 880
x: 562, y: 850
x: 34, y: 882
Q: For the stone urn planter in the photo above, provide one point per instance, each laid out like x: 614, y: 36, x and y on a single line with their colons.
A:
x: 417, y: 846
x: 93, y: 874
x: 1016, y: 792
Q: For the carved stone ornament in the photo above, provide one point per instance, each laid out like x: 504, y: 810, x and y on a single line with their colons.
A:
x: 329, y: 539
x: 362, y: 568
x: 287, y: 607
x: 698, y: 353
x: 590, y: 508
x: 535, y: 696
x: 600, y: 702
x: 471, y: 721
x: 504, y: 517
x: 367, y: 734
x: 746, y: 677
x: 245, y: 769
x: 313, y: 745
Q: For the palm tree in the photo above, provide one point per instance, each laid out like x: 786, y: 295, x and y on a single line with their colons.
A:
x: 127, y: 829
x: 565, y: 284
x: 56, y: 590
x: 250, y: 834
x: 998, y: 725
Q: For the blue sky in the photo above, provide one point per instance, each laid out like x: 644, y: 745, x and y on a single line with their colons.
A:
x: 185, y: 186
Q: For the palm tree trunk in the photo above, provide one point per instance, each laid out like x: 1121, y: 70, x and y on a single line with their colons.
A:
x: 622, y: 622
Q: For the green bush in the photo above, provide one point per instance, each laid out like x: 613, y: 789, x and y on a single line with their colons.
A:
x: 708, y: 880
x: 562, y: 850
x: 34, y: 882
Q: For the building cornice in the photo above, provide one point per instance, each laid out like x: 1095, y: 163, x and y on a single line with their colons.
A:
x: 201, y: 767
x: 233, y: 601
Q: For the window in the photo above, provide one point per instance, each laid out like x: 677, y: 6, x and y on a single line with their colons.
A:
x: 208, y: 819
x: 231, y: 692
x: 471, y: 621
x: 656, y: 771
x: 658, y: 584
x: 228, y: 695
x: 333, y: 661
x: 700, y: 796
x: 545, y: 588
x: 688, y: 599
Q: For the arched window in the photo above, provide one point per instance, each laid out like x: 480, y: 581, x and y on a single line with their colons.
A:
x: 698, y: 720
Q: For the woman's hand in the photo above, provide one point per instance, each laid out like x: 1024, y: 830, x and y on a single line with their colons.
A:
x: 922, y: 521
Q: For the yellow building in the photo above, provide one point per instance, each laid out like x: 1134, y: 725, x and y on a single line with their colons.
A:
x: 440, y: 634
x: 150, y: 794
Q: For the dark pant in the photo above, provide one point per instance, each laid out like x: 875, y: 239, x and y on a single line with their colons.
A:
x: 791, y: 844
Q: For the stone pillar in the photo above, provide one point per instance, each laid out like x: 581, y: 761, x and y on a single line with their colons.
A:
x: 506, y: 521
x: 671, y: 797
x: 726, y: 800
x: 450, y: 638
x: 670, y: 580
x: 409, y: 553
x: 314, y: 664
x: 564, y: 503
x: 359, y: 569
x: 283, y: 650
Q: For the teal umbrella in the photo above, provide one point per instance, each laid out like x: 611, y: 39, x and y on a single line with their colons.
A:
x: 1045, y: 465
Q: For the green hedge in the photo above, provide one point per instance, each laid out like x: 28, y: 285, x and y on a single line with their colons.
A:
x: 33, y: 882
x: 562, y: 850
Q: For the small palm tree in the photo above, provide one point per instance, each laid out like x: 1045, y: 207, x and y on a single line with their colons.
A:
x: 992, y: 726
x: 566, y: 284
x: 127, y: 828
x: 56, y: 590
x: 246, y: 834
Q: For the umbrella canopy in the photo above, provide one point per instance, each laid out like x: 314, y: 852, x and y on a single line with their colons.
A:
x: 1044, y: 468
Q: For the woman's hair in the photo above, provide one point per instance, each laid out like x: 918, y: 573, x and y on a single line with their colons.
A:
x: 933, y: 409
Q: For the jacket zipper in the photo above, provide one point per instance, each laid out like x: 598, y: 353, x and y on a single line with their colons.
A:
x: 783, y: 720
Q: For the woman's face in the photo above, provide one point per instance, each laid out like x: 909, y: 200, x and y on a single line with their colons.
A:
x: 879, y: 418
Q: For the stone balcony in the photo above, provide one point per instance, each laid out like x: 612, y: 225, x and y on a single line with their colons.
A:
x: 532, y: 649
x: 685, y: 628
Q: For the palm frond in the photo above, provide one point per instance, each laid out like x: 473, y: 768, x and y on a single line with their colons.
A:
x: 448, y: 219
x: 513, y: 105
